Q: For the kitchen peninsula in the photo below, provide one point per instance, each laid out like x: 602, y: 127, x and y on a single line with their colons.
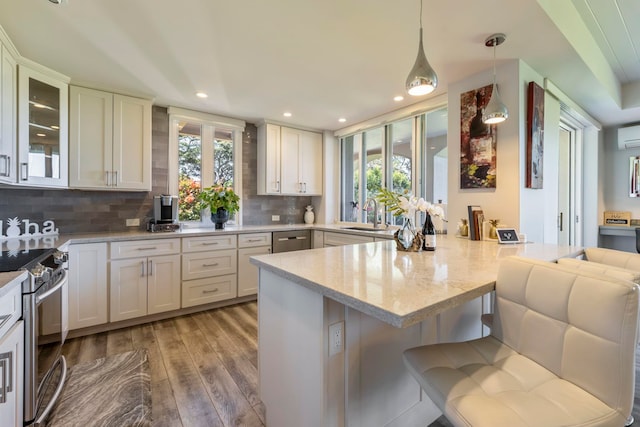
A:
x: 333, y: 323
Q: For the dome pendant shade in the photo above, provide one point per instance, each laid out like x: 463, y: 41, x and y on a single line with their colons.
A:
x: 495, y: 111
x: 422, y: 79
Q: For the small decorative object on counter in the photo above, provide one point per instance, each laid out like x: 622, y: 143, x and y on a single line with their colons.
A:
x: 463, y: 227
x: 428, y: 234
x: 309, y: 216
x: 492, y: 229
x: 222, y: 201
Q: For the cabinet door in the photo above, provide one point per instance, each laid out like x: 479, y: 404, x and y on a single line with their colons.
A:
x: 289, y: 161
x: 247, y: 272
x: 11, y: 371
x: 310, y: 158
x: 42, y: 129
x: 269, y: 159
x: 87, y: 285
x: 128, y: 290
x: 90, y: 138
x: 131, y: 143
x: 163, y: 283
x: 8, y: 116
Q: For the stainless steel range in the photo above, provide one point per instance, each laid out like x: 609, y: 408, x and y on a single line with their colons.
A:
x: 44, y: 310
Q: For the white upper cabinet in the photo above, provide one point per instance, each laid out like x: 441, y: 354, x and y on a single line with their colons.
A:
x: 42, y: 126
x: 110, y: 141
x: 289, y: 161
x: 8, y: 115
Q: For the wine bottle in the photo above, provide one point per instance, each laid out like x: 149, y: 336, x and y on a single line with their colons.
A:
x: 429, y: 234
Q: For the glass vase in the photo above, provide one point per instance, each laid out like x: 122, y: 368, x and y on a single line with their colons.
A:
x: 406, y: 234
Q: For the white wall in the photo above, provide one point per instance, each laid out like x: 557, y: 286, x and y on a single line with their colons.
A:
x: 327, y: 207
x: 502, y: 202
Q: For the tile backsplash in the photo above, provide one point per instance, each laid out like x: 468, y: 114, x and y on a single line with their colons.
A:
x: 76, y: 211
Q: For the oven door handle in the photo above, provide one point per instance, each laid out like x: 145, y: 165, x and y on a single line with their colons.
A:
x: 53, y: 290
x: 63, y: 377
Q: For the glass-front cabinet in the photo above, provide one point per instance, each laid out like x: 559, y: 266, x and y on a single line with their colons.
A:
x: 42, y: 128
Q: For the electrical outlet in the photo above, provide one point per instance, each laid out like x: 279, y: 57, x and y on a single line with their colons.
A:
x: 133, y: 222
x: 336, y: 338
x: 275, y: 217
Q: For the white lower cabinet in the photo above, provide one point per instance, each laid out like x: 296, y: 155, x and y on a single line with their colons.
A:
x: 247, y: 272
x: 248, y: 246
x: 209, y: 267
x: 11, y: 375
x: 88, y: 296
x: 141, y: 286
x: 341, y: 239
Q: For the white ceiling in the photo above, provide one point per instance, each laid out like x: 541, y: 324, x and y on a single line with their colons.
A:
x: 322, y: 60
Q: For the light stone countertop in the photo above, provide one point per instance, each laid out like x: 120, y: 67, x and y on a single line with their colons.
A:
x: 59, y: 241
x: 63, y: 240
x: 8, y: 281
x: 404, y: 288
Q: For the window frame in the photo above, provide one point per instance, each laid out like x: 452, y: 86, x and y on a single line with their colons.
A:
x: 418, y: 153
x: 209, y: 123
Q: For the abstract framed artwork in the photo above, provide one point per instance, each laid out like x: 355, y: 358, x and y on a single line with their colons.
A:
x: 477, y: 141
x: 535, y: 136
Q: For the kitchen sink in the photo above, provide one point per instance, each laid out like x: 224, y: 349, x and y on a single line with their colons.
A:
x: 364, y: 228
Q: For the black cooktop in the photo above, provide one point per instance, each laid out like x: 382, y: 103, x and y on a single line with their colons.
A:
x: 16, y: 260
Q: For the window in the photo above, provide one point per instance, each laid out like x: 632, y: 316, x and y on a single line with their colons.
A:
x: 204, y: 150
x: 387, y: 157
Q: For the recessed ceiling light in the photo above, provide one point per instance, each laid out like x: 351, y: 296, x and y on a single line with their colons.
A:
x: 342, y: 120
x: 201, y: 95
x: 286, y: 114
x: 398, y: 98
x: 41, y: 134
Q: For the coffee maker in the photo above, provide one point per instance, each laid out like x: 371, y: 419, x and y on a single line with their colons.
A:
x: 165, y: 213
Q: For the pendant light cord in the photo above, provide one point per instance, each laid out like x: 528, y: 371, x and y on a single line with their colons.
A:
x: 421, y: 1
x: 494, y: 61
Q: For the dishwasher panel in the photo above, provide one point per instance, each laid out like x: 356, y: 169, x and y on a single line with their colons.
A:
x: 286, y: 241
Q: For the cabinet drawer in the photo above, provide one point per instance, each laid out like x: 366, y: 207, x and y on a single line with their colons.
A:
x: 254, y: 239
x: 340, y: 239
x: 206, y: 264
x: 144, y: 248
x: 211, y: 289
x: 10, y: 307
x: 208, y: 243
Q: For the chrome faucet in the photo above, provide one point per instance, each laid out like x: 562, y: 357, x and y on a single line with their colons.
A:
x: 376, y: 222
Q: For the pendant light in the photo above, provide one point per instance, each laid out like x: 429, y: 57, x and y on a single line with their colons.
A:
x: 495, y: 111
x: 422, y: 79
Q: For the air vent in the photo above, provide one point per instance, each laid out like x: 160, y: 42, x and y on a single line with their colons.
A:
x: 629, y: 137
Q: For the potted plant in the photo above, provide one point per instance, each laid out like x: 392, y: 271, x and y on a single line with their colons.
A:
x: 221, y: 201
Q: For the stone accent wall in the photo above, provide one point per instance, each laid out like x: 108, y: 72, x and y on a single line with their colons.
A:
x: 79, y: 211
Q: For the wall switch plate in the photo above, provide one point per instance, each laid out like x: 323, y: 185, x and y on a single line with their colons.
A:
x: 275, y: 217
x: 336, y: 338
x: 133, y: 222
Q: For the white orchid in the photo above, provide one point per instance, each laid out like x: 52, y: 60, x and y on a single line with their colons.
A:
x: 407, y: 205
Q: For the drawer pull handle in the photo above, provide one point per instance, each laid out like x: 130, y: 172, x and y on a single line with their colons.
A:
x: 150, y: 248
x: 215, y: 264
x: 254, y: 240
x: 212, y: 291
x: 209, y: 243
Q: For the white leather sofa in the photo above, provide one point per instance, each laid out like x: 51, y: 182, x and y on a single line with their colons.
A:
x: 561, y: 353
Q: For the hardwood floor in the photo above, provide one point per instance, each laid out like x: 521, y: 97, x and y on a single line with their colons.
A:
x: 204, y: 366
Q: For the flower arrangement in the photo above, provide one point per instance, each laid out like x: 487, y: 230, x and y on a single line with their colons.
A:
x: 219, y: 197
x: 406, y: 205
